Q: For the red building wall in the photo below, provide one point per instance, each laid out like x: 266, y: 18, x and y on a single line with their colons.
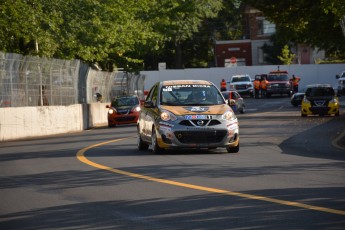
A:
x: 238, y: 49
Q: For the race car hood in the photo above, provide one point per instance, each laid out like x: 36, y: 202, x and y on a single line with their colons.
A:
x: 208, y: 109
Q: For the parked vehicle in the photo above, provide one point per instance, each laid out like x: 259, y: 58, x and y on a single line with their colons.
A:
x: 320, y: 99
x: 123, y: 110
x: 238, y: 102
x: 278, y: 82
x: 182, y: 114
x: 296, y: 99
x: 341, y: 84
x: 242, y: 84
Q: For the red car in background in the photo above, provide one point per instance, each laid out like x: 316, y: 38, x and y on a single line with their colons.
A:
x: 123, y: 110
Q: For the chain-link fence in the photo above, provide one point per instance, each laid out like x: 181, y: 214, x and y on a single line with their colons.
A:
x: 35, y: 81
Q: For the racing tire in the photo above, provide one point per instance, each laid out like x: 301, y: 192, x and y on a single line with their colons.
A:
x: 111, y: 125
x: 155, y: 147
x: 140, y: 143
x: 337, y: 114
x: 233, y: 149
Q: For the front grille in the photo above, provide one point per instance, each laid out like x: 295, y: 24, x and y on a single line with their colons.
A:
x: 125, y: 119
x: 195, y: 122
x: 319, y: 102
x: 199, y: 137
x: 241, y: 86
x: 320, y: 110
x: 279, y: 86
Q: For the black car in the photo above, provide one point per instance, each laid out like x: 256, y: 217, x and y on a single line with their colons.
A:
x: 296, y: 99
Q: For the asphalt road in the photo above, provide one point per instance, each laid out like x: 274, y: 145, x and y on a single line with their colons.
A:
x: 289, y: 174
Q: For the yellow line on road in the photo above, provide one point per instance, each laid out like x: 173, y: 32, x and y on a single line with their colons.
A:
x: 81, y: 157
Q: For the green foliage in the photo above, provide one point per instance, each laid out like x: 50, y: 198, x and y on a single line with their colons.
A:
x: 313, y: 22
x: 112, y: 33
x: 286, y: 56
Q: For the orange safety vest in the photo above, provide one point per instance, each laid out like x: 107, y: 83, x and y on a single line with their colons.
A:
x: 257, y: 84
x: 295, y: 81
x: 223, y: 84
x: 263, y: 84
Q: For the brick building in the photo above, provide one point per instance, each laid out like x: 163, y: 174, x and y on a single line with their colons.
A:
x: 248, y: 51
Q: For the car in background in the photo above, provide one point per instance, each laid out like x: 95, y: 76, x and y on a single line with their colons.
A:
x: 234, y: 99
x: 242, y: 84
x: 296, y: 99
x: 123, y: 110
x: 320, y: 99
x: 341, y: 84
x: 186, y: 114
x: 278, y: 82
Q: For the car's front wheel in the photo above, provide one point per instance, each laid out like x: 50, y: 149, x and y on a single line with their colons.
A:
x: 155, y: 147
x: 235, y: 149
x: 140, y: 143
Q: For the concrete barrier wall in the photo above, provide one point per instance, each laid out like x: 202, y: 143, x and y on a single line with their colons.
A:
x: 98, y: 114
x: 24, y: 122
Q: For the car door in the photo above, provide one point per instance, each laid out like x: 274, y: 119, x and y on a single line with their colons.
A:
x: 149, y: 113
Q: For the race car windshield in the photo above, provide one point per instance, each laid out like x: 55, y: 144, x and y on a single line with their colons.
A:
x: 320, y: 92
x: 125, y: 101
x: 189, y: 94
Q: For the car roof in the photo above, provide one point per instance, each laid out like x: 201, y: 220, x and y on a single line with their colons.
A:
x: 182, y: 82
x: 319, y: 86
x: 241, y: 75
x: 279, y: 72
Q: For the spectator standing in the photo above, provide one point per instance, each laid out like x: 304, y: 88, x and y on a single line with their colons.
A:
x: 256, y: 84
x: 295, y: 82
x: 223, y: 85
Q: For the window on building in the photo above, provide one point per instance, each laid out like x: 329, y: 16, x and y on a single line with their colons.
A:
x: 261, y: 56
x: 265, y: 27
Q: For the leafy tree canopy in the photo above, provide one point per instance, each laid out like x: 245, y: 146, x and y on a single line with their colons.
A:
x: 111, y: 32
x: 314, y: 22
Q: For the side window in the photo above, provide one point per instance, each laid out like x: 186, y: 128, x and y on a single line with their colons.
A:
x: 149, y: 96
x: 155, y: 95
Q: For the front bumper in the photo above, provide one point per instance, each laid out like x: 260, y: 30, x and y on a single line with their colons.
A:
x: 332, y: 108
x: 117, y: 119
x: 180, y: 134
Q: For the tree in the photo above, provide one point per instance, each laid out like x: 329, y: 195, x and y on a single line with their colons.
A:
x: 286, y: 56
x: 313, y: 22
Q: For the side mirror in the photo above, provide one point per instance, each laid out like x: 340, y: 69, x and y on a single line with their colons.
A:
x: 148, y: 104
x: 337, y: 76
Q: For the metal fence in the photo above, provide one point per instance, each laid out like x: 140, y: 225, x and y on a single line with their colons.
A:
x: 35, y: 81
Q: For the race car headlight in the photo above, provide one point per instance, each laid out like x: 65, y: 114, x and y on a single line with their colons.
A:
x: 334, y: 100
x: 166, y: 116
x: 136, y: 109
x: 228, y: 115
x: 111, y: 111
x: 305, y: 100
